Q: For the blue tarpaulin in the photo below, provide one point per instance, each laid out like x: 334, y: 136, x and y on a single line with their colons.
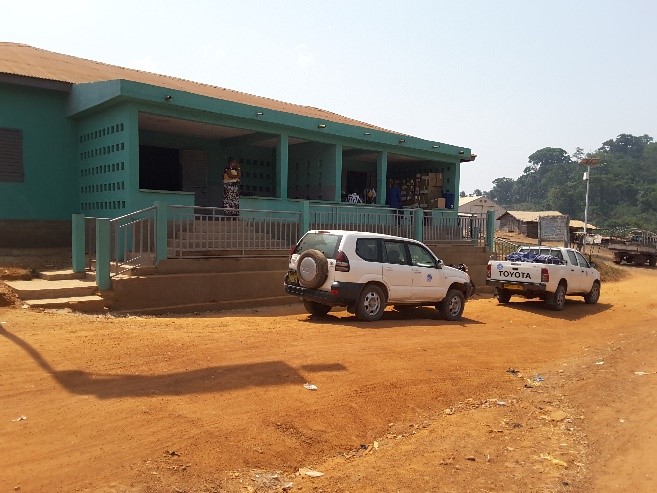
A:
x: 532, y: 257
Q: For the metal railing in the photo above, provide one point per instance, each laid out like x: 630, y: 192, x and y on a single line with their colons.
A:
x: 363, y: 218
x: 470, y: 228
x: 202, y: 231
x: 175, y: 231
x: 502, y: 247
x: 133, y: 240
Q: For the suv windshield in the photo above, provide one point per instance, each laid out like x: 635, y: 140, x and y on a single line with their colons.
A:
x: 324, y: 242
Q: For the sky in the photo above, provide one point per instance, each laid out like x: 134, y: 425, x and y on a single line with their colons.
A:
x: 504, y: 78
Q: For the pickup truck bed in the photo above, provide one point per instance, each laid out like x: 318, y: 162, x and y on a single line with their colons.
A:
x: 546, y: 273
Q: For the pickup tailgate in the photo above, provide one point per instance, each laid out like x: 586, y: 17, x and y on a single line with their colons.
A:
x: 515, y: 275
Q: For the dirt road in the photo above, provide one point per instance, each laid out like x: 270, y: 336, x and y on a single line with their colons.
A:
x: 512, y: 398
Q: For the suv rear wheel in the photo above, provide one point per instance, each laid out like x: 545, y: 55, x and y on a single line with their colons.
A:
x: 371, y: 303
x: 314, y: 308
x: 312, y: 269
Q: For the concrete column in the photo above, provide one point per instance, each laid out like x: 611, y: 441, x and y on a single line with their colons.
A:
x: 282, y: 166
x: 161, y: 246
x: 418, y: 223
x: 304, y: 223
x: 381, y: 173
x: 77, y: 242
x: 103, y: 249
x: 338, y: 173
x: 490, y: 230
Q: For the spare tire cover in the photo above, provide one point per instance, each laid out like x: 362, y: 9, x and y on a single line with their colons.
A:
x: 312, y: 269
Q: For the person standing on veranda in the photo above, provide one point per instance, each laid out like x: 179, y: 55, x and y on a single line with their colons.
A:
x: 394, y: 200
x: 232, y: 177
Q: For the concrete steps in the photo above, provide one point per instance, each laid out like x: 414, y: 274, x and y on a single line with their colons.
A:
x: 198, y: 291
x: 83, y: 304
x: 60, y: 289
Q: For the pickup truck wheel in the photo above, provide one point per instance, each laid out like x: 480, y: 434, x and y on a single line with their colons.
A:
x: 312, y: 269
x: 557, y: 300
x: 452, y: 306
x: 593, y: 296
x: 503, y: 295
x: 371, y: 303
x: 314, y: 308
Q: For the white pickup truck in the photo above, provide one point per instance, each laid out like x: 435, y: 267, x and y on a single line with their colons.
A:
x: 547, y: 273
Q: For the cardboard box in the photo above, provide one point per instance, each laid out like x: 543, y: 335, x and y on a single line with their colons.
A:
x: 435, y: 179
x: 440, y: 202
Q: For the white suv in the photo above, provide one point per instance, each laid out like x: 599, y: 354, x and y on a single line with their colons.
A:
x: 367, y: 271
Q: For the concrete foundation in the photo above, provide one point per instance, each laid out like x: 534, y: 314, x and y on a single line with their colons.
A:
x: 35, y: 234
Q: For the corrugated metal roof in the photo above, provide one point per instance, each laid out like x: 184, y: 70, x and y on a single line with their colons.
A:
x: 532, y: 216
x: 576, y: 223
x: 467, y: 200
x: 23, y: 60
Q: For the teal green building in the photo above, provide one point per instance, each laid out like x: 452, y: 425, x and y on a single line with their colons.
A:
x: 83, y: 137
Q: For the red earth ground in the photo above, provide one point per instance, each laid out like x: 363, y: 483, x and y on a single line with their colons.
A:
x: 512, y: 398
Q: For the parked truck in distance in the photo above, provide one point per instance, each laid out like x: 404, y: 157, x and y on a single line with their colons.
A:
x: 548, y: 273
x: 636, y: 247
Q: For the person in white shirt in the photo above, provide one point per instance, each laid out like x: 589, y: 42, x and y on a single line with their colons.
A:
x: 354, y: 198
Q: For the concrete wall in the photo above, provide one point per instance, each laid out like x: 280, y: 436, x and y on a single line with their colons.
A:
x: 482, y: 205
x: 35, y: 234
x: 49, y: 190
x: 554, y: 228
x: 311, y: 171
x: 107, y: 180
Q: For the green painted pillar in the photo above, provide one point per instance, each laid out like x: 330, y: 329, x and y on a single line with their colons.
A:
x: 338, y: 173
x: 381, y: 175
x: 103, y: 250
x: 282, y: 166
x: 304, y: 223
x: 490, y: 231
x: 77, y: 242
x: 474, y: 239
x: 161, y: 246
x: 418, y: 223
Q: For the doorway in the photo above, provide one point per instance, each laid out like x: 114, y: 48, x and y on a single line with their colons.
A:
x: 356, y: 181
x: 159, y: 168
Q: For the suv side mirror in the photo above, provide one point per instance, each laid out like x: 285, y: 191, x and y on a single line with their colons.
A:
x: 440, y: 264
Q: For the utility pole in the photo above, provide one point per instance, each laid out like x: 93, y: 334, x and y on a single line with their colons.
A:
x: 588, y: 162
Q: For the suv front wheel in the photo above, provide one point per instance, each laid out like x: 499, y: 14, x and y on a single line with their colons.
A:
x: 451, y: 307
x: 371, y: 303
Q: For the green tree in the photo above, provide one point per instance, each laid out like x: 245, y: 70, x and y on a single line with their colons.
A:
x: 626, y: 144
x: 622, y: 188
x: 502, y: 191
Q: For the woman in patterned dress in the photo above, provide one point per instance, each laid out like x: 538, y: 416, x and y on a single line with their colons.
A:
x: 232, y: 176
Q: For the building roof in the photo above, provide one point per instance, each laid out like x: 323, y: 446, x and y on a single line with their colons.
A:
x: 23, y: 60
x: 484, y: 199
x: 467, y: 200
x: 576, y: 223
x: 531, y: 216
